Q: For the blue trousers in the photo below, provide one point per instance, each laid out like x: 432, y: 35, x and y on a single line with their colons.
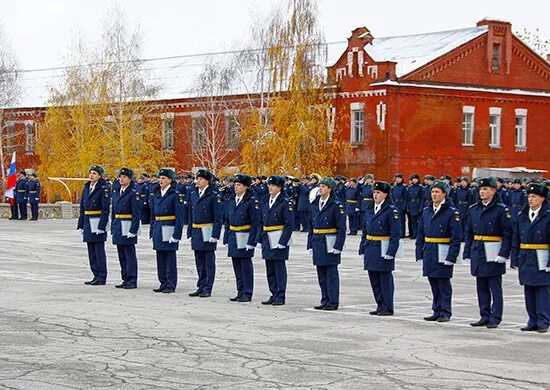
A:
x: 382, y: 289
x: 354, y: 222
x: 205, y: 261
x: 276, y: 279
x: 537, y: 302
x: 34, y: 211
x: 167, y: 270
x: 304, y: 220
x: 244, y: 276
x: 145, y: 215
x: 488, y: 288
x: 329, y: 281
x: 128, y: 264
x: 442, y: 292
x: 14, y: 211
x: 413, y: 224
x: 98, y: 260
x: 22, y: 210
x: 402, y: 222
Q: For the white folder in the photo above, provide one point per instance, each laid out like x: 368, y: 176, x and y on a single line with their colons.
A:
x: 206, y: 232
x: 385, y: 244
x: 242, y: 239
x: 542, y: 259
x: 491, y: 251
x: 94, y: 224
x: 125, y: 227
x: 330, y: 240
x: 167, y: 232
x: 442, y: 252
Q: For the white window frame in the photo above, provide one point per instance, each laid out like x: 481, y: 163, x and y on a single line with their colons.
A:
x: 468, y: 125
x: 168, y: 131
x: 357, y: 126
x: 29, y: 137
x: 198, y: 134
x: 521, y: 130
x: 495, y: 129
x: 232, y: 133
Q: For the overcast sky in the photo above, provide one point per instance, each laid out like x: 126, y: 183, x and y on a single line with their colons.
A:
x: 42, y: 31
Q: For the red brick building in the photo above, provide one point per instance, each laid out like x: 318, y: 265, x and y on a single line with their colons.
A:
x: 443, y: 102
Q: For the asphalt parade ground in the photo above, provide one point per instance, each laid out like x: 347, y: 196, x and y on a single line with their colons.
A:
x: 57, y: 333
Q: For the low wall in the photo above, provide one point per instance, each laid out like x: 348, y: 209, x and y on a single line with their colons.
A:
x: 59, y: 210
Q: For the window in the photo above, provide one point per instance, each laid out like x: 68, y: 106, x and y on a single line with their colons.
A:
x: 521, y: 128
x: 231, y: 132
x: 494, y: 127
x: 199, y: 132
x: 331, y: 116
x: 357, y: 123
x: 29, y: 138
x: 468, y: 125
x: 496, y: 56
x: 168, y: 131
x: 137, y: 128
x: 10, y: 134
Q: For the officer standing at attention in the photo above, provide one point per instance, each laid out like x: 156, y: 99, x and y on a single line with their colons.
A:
x: 366, y: 198
x: 204, y: 229
x: 399, y: 197
x: 518, y: 198
x: 427, y: 188
x: 325, y: 242
x: 166, y: 229
x: 34, y: 196
x: 142, y: 188
x: 530, y: 246
x: 352, y: 206
x: 126, y: 218
x: 379, y: 244
x: 463, y: 199
x: 414, y: 205
x: 503, y: 192
x: 488, y: 241
x: 92, y: 223
x: 303, y: 203
x: 22, y: 194
x: 277, y: 224
x: 437, y: 247
x: 241, y: 221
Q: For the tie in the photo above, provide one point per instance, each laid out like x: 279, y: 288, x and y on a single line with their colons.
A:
x: 200, y: 193
x: 321, y: 205
x: 532, y: 216
x: 121, y: 191
x: 271, y: 200
x: 238, y: 200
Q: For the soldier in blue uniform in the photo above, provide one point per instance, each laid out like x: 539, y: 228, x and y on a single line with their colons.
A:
x: 518, y: 198
x: 241, y: 221
x: 488, y: 240
x: 503, y: 192
x: 463, y: 199
x: 366, y: 199
x: 125, y: 219
x: 153, y: 187
x: 352, y: 206
x: 259, y: 188
x: 437, y: 247
x: 34, y: 196
x: 379, y: 244
x: 400, y: 197
x: 92, y: 223
x: 21, y: 195
x: 340, y: 190
x: 303, y: 203
x: 474, y: 187
x: 427, y: 190
x: 415, y: 204
x: 204, y: 228
x: 142, y: 188
x: 530, y: 246
x: 277, y: 224
x: 327, y: 227
x: 166, y: 229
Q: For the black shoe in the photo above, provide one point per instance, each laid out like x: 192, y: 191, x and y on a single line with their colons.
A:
x: 542, y: 330
x: 97, y: 283
x: 195, y: 293
x: 330, y: 308
x: 492, y: 326
x: 234, y: 299
x: 480, y: 323
x: 431, y: 318
x: 160, y: 289
x: 443, y: 319
x: 320, y: 307
x: 90, y: 281
x: 121, y: 285
x: 385, y: 313
x: 244, y: 299
x: 279, y: 303
x: 168, y: 291
x: 204, y: 295
x: 268, y: 302
x: 129, y: 286
x: 529, y: 329
x: 374, y: 312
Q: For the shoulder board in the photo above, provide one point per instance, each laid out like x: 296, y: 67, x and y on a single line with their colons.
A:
x: 456, y: 212
x: 472, y: 205
x: 133, y: 190
x: 290, y: 206
x: 219, y: 198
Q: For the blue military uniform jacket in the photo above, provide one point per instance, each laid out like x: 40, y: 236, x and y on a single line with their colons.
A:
x: 340, y: 192
x: 427, y: 196
x: 385, y: 223
x: 166, y: 210
x: 206, y: 210
x: 21, y: 190
x: 126, y: 207
x: 446, y: 224
x: 352, y: 200
x: 34, y: 191
x: 484, y: 223
x: 399, y: 196
x: 518, y: 200
x: 366, y: 197
x: 504, y: 196
x: 463, y: 198
x: 143, y: 190
x: 331, y: 220
x: 242, y: 218
x: 527, y: 232
x: 415, y: 202
x: 259, y: 190
x: 303, y: 197
x: 95, y: 205
x: 281, y: 214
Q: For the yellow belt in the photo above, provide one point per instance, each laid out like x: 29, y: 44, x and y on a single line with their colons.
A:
x: 21, y: 190
x: 438, y: 240
x: 239, y: 228
x: 201, y: 225
x: 123, y: 216
x: 166, y: 218
x: 93, y: 212
x: 378, y: 238
x: 488, y: 238
x: 351, y: 201
x: 32, y: 192
x: 367, y: 198
x: 325, y: 231
x: 273, y: 227
x: 534, y: 246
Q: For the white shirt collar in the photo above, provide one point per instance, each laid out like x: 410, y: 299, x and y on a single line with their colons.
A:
x: 272, y: 199
x: 201, y: 192
x: 436, y: 209
x: 163, y: 191
x: 534, y: 211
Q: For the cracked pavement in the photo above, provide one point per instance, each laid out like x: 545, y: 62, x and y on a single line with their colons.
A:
x: 57, y: 333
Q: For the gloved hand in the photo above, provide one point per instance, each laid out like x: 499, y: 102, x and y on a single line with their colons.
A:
x: 467, y: 260
x: 356, y: 210
x: 419, y: 261
x: 310, y: 251
x: 131, y: 235
x: 501, y: 260
x: 335, y: 251
x: 449, y: 263
x: 388, y: 257
x: 80, y: 231
x: 547, y: 269
x: 213, y: 240
x: 250, y: 247
x: 173, y: 240
x: 99, y: 231
x: 279, y: 246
